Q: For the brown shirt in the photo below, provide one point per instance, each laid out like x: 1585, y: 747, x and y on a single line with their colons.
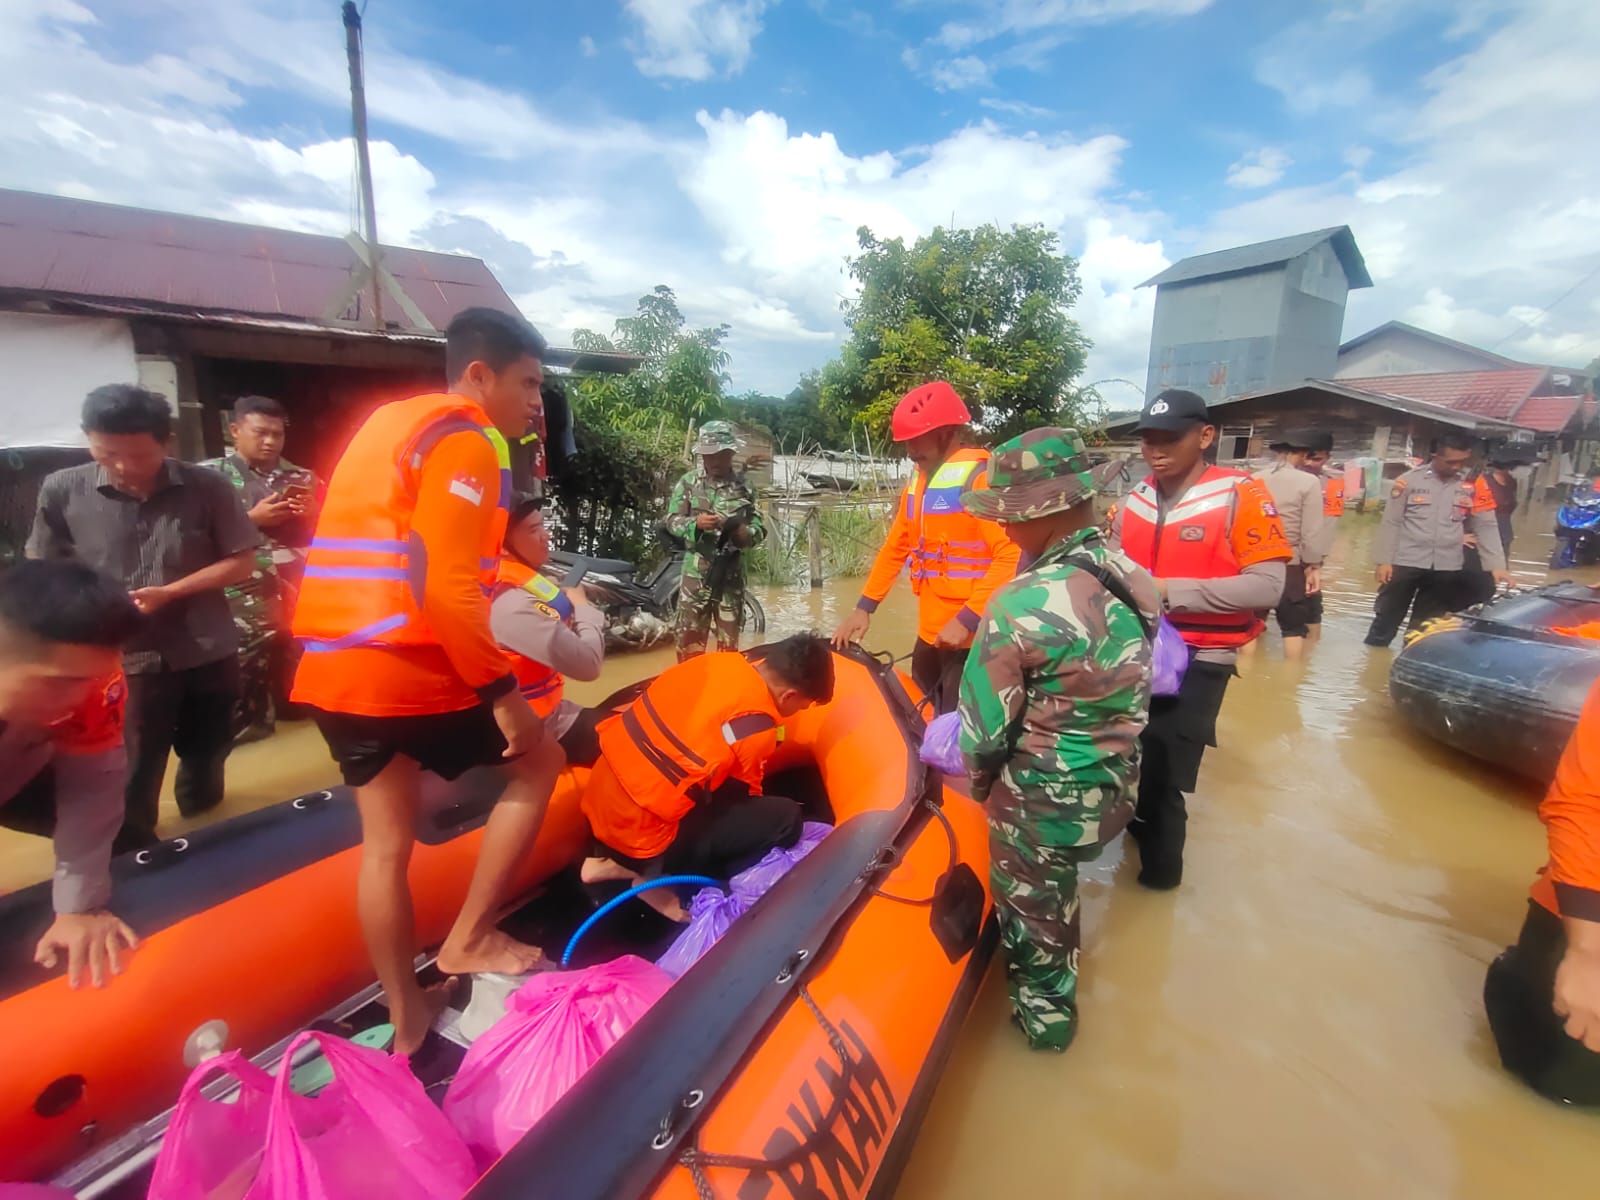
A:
x: 192, y: 520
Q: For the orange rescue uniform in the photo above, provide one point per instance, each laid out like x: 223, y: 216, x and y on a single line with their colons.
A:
x: 1333, y: 496
x: 394, y: 609
x: 957, y: 561
x: 699, y: 724
x: 1224, y: 523
x: 1569, y: 884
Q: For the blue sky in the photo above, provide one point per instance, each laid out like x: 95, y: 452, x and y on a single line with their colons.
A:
x: 729, y: 148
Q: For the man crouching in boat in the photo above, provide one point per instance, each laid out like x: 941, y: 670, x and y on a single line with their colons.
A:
x: 1543, y: 994
x: 401, y: 667
x: 1053, y: 700
x: 656, y: 799
x: 552, y: 634
x: 62, y: 761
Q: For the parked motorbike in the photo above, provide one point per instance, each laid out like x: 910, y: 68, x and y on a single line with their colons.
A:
x: 1578, y: 529
x: 638, y: 609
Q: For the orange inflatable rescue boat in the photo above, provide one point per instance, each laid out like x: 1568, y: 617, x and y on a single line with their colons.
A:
x: 794, y: 1059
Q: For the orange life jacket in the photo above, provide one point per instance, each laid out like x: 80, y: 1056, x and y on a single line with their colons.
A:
x: 541, y: 683
x: 1191, y: 542
x: 676, y: 737
x: 358, y: 585
x: 950, y: 554
x: 1333, y: 497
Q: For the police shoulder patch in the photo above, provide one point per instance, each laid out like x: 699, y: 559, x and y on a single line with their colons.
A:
x: 1397, y: 489
x: 1270, y: 509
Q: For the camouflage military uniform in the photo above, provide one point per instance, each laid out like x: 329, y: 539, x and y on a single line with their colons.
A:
x: 1053, y: 698
x: 261, y: 603
x: 698, y: 608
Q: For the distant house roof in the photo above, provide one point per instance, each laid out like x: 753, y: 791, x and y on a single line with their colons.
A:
x: 1488, y: 356
x: 1241, y: 260
x: 1548, y: 414
x: 1497, y: 394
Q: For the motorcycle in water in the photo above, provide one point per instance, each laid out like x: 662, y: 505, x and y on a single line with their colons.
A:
x: 639, y: 609
x: 1578, y: 529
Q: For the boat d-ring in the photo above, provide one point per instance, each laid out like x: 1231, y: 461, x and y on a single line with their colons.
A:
x: 791, y: 967
x: 146, y: 856
x: 693, y: 1099
x: 301, y: 803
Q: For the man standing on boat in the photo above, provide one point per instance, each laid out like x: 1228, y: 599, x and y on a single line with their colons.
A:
x: 1213, y: 541
x: 1053, y: 698
x: 1297, y: 496
x: 714, y: 516
x: 62, y: 762
x: 957, y: 560
x: 1422, y: 542
x: 1543, y: 994
x: 401, y: 665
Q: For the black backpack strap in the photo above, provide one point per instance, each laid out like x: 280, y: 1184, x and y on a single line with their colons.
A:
x: 1113, y: 584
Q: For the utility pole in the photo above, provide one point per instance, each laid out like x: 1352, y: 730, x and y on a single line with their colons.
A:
x: 358, y: 106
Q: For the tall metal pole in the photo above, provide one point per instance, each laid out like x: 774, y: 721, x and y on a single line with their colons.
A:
x: 358, y: 107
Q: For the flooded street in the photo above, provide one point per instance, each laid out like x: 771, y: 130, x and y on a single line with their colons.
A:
x: 1301, y: 1019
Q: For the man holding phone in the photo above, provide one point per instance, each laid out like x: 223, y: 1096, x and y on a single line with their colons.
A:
x: 282, y: 501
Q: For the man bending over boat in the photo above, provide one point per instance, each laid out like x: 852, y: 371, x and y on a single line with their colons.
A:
x: 656, y: 799
x: 1053, y: 699
x: 401, y: 666
x: 1543, y: 994
x: 551, y: 634
x: 62, y: 761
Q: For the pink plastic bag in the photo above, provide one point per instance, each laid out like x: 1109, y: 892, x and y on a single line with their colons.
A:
x: 213, y: 1147
x: 371, y: 1132
x: 556, y: 1027
x: 33, y: 1191
x: 713, y: 911
x: 941, y: 744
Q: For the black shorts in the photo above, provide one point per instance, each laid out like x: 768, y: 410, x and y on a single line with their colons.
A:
x: 448, y: 744
x: 1297, y: 612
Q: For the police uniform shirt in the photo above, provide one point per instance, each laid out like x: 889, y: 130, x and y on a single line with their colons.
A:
x: 1426, y: 519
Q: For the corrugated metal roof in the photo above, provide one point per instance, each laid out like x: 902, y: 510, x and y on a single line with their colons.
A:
x: 1438, y: 338
x: 1494, y: 394
x: 59, y: 246
x: 1547, y: 414
x: 1258, y: 257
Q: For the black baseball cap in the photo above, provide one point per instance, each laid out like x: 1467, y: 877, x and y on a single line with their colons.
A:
x: 1174, y: 409
x: 1318, y: 441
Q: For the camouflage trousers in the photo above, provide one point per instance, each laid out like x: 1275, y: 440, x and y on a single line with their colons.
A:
x: 698, y: 613
x: 1036, y: 902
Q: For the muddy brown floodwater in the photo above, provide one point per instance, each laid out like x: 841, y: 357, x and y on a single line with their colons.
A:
x: 1301, y: 1019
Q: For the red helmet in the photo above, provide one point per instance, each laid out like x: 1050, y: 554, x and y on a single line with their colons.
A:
x: 931, y: 406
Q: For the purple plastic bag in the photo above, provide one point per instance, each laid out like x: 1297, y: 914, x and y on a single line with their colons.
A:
x: 33, y: 1191
x: 213, y: 1148
x: 941, y: 744
x: 1169, y: 659
x: 557, y: 1026
x: 371, y: 1132
x: 712, y: 910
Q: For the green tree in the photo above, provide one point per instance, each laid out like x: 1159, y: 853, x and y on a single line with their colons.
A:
x: 682, y: 376
x: 795, y: 422
x: 985, y: 308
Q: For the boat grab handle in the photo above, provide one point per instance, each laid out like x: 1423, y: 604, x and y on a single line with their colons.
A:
x: 618, y: 901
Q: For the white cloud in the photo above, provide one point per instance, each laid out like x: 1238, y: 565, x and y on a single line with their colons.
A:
x: 999, y: 18
x: 586, y: 46
x: 1017, y: 108
x: 1259, y: 168
x: 694, y: 39
x: 955, y: 74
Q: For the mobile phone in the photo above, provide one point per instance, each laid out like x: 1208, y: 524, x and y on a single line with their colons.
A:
x: 297, y: 492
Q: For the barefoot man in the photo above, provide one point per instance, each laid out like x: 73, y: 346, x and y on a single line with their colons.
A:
x: 400, y: 664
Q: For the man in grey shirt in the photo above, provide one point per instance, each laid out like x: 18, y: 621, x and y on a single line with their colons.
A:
x: 1298, y: 498
x: 62, y: 626
x: 174, y: 535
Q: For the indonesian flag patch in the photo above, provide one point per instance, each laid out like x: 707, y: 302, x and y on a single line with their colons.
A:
x: 468, y: 487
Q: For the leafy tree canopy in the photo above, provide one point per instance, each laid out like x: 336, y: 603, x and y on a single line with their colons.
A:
x: 797, y: 423
x: 985, y: 308
x: 681, y: 379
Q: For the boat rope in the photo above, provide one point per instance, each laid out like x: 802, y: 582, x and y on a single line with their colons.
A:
x: 1429, y: 628
x: 697, y: 1160
x: 889, y: 857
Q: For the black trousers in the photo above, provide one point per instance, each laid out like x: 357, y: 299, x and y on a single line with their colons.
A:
x: 1172, y: 745
x: 190, y: 712
x: 723, y: 834
x: 1425, y: 594
x: 1517, y: 996
x: 938, y: 673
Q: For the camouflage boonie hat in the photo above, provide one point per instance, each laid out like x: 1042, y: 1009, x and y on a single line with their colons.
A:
x: 1041, y: 472
x: 716, y: 436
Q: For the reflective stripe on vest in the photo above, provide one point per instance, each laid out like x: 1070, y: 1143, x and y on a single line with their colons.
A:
x: 937, y: 509
x: 366, y: 590
x: 1190, y: 541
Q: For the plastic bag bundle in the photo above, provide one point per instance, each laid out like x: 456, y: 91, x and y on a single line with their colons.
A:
x: 33, y: 1191
x: 941, y: 744
x: 713, y: 911
x: 1169, y: 659
x: 558, y: 1025
x: 212, y: 1149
